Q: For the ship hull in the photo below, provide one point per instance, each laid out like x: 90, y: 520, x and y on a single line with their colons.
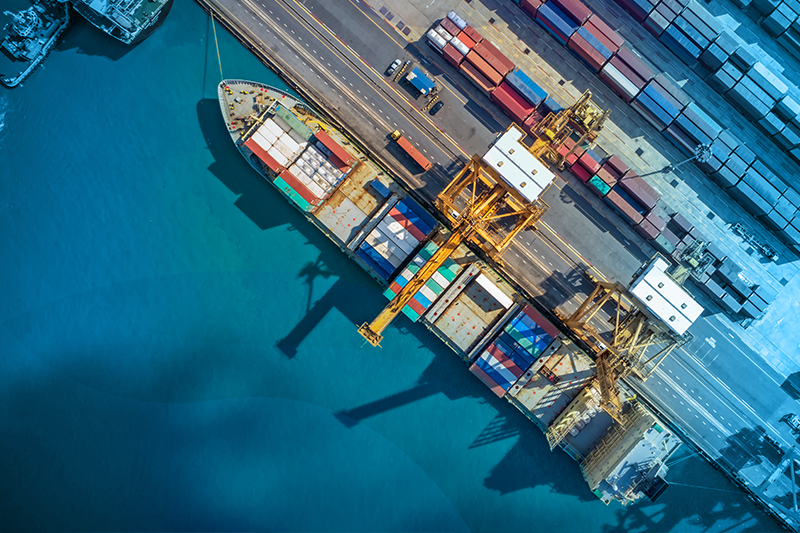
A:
x: 13, y: 81
x: 106, y: 25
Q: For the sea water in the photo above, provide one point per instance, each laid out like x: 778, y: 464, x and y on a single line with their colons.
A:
x: 179, y: 348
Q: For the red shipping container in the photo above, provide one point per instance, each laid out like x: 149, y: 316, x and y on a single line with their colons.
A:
x: 407, y: 224
x: 595, y: 22
x: 635, y: 63
x: 494, y: 57
x: 647, y: 230
x: 611, y: 170
x: 334, y: 147
x: 483, y: 67
x: 473, y: 34
x: 448, y: 25
x: 625, y: 209
x: 574, y: 9
x: 451, y: 55
x: 530, y: 6
x: 416, y: 306
x: 587, y: 52
x: 581, y: 173
x: 263, y: 155
x: 298, y: 187
x: 617, y: 164
x: 510, y: 101
x: 532, y: 121
x: 466, y: 39
x: 639, y: 191
x: 628, y: 72
x: 475, y: 76
x: 589, y: 163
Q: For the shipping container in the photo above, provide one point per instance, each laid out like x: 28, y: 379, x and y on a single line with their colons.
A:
x: 618, y: 83
x: 598, y: 186
x: 512, y: 103
x: 614, y: 38
x: 574, y: 9
x: 772, y: 83
x: 446, y: 35
x: 449, y: 27
x: 636, y: 63
x: 787, y: 109
x: 484, y: 67
x: 281, y: 159
x: 646, y: 230
x: 679, y: 138
x: 656, y: 23
x: 456, y: 19
x: 327, y: 141
x: 747, y: 102
x: 713, y: 57
x: 749, y: 199
x: 640, y: 191
x: 618, y: 165
x: 593, y: 58
x: 638, y: 9
x: 530, y: 6
x: 436, y: 40
x: 627, y: 211
x: 555, y: 22
x: 452, y: 56
x: 770, y: 125
x: 494, y: 57
x: 473, y: 34
x: 291, y: 181
x: 762, y: 186
x: 525, y: 86
x: 478, y: 80
x: 652, y: 112
x: 662, y: 97
x: 263, y: 156
x: 466, y: 40
x: 581, y: 173
x: 590, y: 161
x: 496, y: 369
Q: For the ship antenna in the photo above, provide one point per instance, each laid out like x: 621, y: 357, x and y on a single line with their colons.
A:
x: 216, y: 42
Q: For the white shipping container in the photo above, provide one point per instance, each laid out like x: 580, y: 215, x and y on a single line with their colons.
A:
x: 436, y: 40
x: 383, y: 249
x: 444, y: 33
x: 501, y: 297
x: 267, y: 134
x: 384, y: 239
x: 289, y: 142
x: 321, y: 182
x: 398, y: 229
x: 398, y: 234
x: 273, y: 127
x: 277, y: 156
x: 458, y: 21
x: 621, y: 81
x: 313, y: 187
x: 461, y: 47
x: 441, y: 280
x: 428, y: 293
x: 262, y: 142
x: 282, y: 148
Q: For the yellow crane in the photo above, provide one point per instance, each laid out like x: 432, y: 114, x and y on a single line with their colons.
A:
x: 489, y: 201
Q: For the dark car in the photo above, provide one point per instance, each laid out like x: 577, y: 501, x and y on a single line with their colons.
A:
x: 393, y: 67
x: 436, y: 107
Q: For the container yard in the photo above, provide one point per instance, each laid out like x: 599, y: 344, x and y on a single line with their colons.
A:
x: 579, y: 381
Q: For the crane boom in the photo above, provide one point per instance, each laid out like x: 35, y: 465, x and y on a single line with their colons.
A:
x: 471, y: 219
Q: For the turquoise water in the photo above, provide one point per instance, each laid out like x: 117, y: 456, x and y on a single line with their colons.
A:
x: 179, y: 348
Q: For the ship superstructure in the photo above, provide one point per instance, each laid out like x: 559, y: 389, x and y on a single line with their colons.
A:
x: 129, y: 21
x: 30, y: 36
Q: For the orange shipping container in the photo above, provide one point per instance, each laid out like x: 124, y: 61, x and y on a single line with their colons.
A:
x: 494, y: 57
x: 484, y: 68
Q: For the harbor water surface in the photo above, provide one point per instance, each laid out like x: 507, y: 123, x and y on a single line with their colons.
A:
x: 179, y: 348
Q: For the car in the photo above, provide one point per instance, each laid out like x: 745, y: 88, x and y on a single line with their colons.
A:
x: 393, y: 67
x: 436, y: 107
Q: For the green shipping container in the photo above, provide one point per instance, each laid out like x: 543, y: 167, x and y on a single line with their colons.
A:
x: 599, y: 185
x: 390, y: 294
x: 293, y: 195
x: 410, y: 313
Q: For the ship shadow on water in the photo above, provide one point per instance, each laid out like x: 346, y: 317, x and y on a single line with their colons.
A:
x: 93, y: 42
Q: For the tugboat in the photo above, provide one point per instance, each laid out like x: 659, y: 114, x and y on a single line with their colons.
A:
x: 129, y: 21
x: 31, y: 35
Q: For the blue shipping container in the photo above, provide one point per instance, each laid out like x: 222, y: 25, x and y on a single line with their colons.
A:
x: 559, y: 25
x: 680, y: 45
x: 659, y: 99
x: 595, y: 43
x: 652, y: 111
x: 526, y: 87
x: 369, y: 259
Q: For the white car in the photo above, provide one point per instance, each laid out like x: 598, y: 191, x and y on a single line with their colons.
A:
x: 393, y: 67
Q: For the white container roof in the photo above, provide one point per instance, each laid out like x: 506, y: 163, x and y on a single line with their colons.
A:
x: 663, y: 297
x: 517, y: 166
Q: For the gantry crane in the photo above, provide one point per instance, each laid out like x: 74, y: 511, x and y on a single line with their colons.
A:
x: 624, y: 352
x: 477, y: 217
x: 584, y: 117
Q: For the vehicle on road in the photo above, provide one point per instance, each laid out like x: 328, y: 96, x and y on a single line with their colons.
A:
x: 410, y: 150
x: 393, y: 67
x: 793, y: 421
x: 436, y: 107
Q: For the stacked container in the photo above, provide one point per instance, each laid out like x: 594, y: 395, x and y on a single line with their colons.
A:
x: 587, y: 166
x: 512, y: 103
x: 638, y: 9
x: 491, y: 55
x: 556, y: 22
x: 526, y: 87
x: 484, y: 67
x: 591, y: 50
x: 627, y: 73
x: 434, y: 287
x: 661, y: 102
x: 662, y: 16
x: 691, y: 32
x: 514, y: 351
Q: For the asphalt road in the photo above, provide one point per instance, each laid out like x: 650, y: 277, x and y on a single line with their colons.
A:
x: 341, y: 51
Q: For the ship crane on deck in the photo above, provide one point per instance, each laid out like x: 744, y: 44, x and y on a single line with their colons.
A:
x: 478, y: 218
x: 583, y: 117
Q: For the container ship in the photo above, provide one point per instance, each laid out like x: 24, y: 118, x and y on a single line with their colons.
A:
x: 505, y: 341
x: 30, y: 36
x: 129, y: 21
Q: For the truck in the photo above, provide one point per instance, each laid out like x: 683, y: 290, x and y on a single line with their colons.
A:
x: 410, y: 150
